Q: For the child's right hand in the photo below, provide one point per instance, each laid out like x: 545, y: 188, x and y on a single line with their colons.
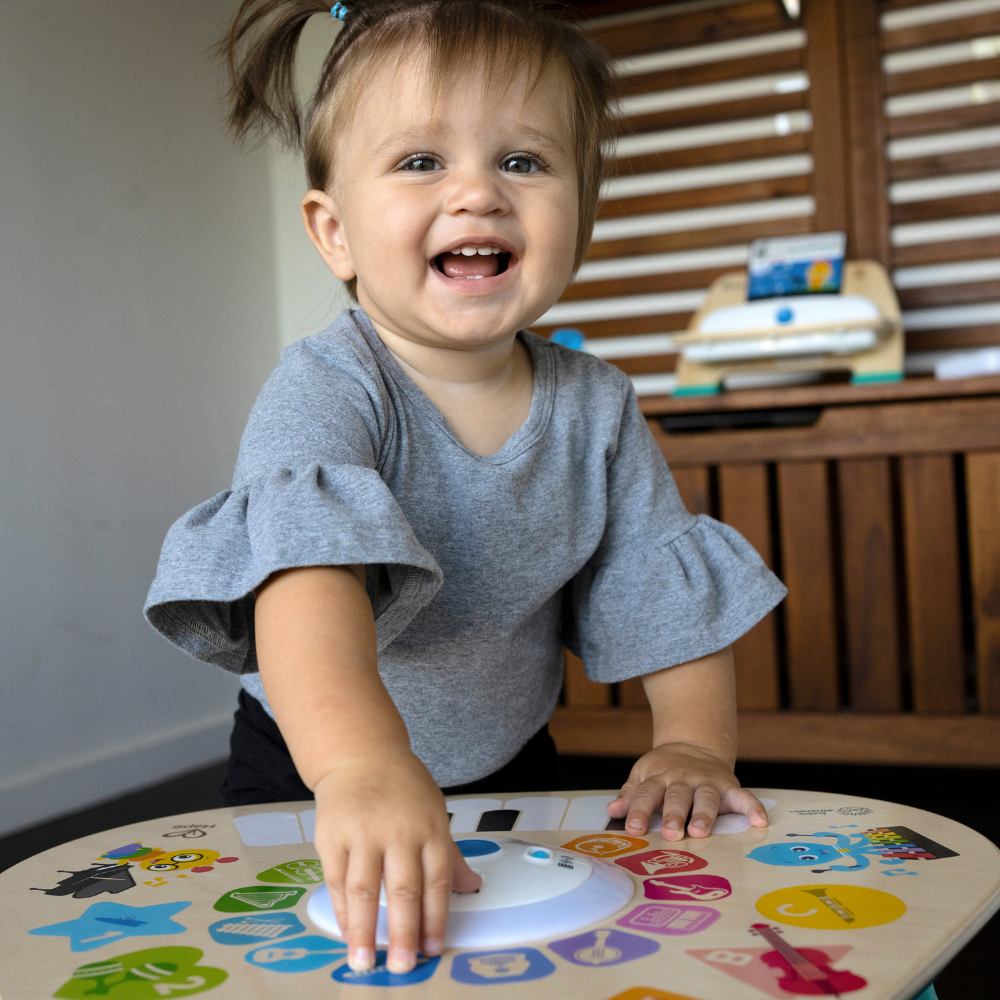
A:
x: 386, y: 818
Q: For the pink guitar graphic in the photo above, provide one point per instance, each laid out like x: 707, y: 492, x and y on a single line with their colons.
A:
x: 806, y: 972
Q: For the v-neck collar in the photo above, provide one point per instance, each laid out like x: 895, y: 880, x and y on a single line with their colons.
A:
x: 542, y: 395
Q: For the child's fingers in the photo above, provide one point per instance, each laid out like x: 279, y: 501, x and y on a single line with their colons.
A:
x: 620, y: 806
x: 362, y: 885
x: 704, y: 809
x: 676, y: 806
x: 742, y: 800
x: 645, y: 801
x: 438, y: 862
x: 404, y: 892
x: 464, y: 879
x: 335, y: 875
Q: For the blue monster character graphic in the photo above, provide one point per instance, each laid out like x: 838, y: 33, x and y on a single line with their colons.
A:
x: 890, y: 845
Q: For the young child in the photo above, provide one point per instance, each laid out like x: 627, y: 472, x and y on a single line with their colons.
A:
x: 429, y: 501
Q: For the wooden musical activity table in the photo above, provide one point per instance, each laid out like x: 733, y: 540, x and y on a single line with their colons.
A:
x: 840, y: 896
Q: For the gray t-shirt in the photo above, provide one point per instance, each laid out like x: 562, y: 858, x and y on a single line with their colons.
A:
x: 479, y: 568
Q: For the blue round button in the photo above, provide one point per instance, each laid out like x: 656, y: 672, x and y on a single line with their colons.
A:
x: 568, y: 337
x: 477, y: 848
x: 784, y: 315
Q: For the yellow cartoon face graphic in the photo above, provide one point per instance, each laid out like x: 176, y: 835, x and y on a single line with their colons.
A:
x: 165, y: 862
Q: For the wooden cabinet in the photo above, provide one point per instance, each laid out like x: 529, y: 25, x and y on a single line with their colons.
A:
x: 882, y: 516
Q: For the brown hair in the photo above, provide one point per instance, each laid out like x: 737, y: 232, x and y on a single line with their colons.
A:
x: 507, y: 36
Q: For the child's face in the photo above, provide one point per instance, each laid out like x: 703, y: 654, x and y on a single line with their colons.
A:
x: 418, y: 179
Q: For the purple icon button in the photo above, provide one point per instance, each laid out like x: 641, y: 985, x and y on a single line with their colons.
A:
x: 603, y: 947
x: 664, y: 918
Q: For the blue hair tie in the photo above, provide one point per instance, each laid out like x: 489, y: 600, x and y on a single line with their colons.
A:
x: 339, y: 11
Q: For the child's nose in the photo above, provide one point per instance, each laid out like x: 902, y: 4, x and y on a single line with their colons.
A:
x: 477, y: 192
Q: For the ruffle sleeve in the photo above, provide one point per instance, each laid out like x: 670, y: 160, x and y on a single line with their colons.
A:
x: 671, y: 600
x: 663, y: 587
x: 316, y: 515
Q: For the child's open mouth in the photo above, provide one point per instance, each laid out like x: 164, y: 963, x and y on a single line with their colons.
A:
x: 473, y: 262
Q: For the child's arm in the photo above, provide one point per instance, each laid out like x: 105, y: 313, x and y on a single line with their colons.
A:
x: 378, y: 810
x: 690, y: 768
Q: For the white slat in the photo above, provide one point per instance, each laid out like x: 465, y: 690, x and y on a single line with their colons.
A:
x: 905, y: 192
x: 985, y: 92
x: 960, y: 273
x: 942, y: 55
x: 913, y: 233
x: 697, y: 55
x: 980, y: 314
x: 712, y: 93
x: 943, y: 142
x: 703, y: 218
x: 710, y: 135
x: 933, y: 13
x: 663, y: 263
x: 739, y: 171
x: 591, y: 310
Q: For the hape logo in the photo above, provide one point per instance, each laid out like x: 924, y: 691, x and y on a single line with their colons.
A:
x: 662, y: 862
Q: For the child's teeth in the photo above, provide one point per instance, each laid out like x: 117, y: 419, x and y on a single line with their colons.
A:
x: 485, y: 251
x: 469, y: 251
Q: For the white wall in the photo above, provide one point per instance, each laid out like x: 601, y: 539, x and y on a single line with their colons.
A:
x: 138, y: 319
x: 309, y: 297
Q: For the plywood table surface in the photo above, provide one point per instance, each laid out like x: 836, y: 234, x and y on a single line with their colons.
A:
x: 851, y: 896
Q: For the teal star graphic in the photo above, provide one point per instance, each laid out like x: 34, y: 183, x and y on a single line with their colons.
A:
x: 109, y: 923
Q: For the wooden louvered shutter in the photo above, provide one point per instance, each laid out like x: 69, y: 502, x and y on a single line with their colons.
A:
x: 716, y: 150
x: 879, y: 117
x: 941, y: 80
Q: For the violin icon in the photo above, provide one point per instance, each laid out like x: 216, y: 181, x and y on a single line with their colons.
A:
x: 807, y: 971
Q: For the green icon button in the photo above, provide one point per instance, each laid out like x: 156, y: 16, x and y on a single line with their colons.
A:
x: 258, y: 897
x: 307, y: 872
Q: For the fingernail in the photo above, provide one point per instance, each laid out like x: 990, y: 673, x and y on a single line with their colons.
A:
x: 432, y: 946
x: 361, y: 959
x: 400, y: 961
x: 673, y: 825
x: 698, y: 825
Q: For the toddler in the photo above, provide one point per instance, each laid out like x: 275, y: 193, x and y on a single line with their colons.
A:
x: 430, y: 501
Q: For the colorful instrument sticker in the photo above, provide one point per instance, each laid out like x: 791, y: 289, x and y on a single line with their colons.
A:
x: 143, y: 975
x: 664, y: 918
x: 783, y: 970
x: 603, y: 947
x: 381, y: 976
x: 167, y: 862
x: 93, y: 881
x: 108, y: 923
x: 663, y: 861
x: 688, y: 888
x: 648, y: 993
x: 299, y: 955
x: 515, y: 965
x: 831, y: 907
x: 259, y: 897
x: 852, y: 852
x: 255, y: 928
x: 308, y: 872
x: 606, y: 845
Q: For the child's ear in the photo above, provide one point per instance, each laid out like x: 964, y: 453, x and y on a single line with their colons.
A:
x: 321, y: 217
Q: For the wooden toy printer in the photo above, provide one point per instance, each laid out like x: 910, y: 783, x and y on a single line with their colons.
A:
x: 858, y: 329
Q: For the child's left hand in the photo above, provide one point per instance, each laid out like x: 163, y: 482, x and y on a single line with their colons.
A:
x: 683, y: 779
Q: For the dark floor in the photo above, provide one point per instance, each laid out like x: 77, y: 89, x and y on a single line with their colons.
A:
x: 968, y: 796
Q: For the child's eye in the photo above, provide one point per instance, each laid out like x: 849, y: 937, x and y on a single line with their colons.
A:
x: 421, y: 164
x: 520, y: 164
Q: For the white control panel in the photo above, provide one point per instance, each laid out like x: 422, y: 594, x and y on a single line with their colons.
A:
x: 529, y: 891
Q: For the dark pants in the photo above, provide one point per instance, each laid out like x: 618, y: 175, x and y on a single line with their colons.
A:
x: 261, y: 768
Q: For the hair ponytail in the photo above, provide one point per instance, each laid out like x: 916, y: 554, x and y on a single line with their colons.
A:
x: 259, y: 51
